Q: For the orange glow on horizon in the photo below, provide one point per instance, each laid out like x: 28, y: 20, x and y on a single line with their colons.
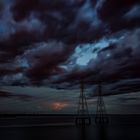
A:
x: 58, y: 105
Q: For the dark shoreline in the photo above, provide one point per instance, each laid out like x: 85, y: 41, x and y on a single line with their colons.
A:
x: 39, y: 119
x: 10, y: 115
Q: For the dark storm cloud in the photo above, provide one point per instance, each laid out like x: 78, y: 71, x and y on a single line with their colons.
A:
x: 67, y: 21
x: 119, y: 87
x: 127, y: 86
x: 114, y: 63
x: 44, y: 59
x: 124, y: 58
x: 112, y: 13
x: 107, y: 9
x: 22, y: 9
x: 78, y: 21
x: 42, y: 35
x: 1, y: 6
x: 16, y: 44
x: 5, y: 94
x: 4, y: 71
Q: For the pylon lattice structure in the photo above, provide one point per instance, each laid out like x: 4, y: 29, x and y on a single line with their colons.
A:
x: 83, y: 117
x: 101, y: 116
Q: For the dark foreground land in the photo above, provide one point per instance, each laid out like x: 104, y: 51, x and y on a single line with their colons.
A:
x: 62, y: 127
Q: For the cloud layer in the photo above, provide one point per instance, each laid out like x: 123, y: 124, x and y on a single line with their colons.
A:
x: 45, y: 42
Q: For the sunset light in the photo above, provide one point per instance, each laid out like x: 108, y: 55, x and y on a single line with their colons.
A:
x: 57, y: 106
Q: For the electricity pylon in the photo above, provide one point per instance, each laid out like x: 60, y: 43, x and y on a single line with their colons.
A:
x: 83, y: 117
x: 101, y: 115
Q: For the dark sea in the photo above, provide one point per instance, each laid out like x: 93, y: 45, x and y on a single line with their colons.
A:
x: 62, y: 127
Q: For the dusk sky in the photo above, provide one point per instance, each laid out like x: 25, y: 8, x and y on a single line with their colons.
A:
x: 48, y: 46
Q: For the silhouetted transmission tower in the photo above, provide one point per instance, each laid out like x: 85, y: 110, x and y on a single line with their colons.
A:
x: 101, y: 115
x: 83, y: 117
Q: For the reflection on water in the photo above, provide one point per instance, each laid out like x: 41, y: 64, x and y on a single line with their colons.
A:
x: 96, y: 132
x: 102, y: 132
x: 82, y: 132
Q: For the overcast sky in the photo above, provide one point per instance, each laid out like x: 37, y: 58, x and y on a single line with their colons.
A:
x: 54, y: 44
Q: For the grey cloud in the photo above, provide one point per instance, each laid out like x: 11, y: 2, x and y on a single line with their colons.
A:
x: 42, y: 36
